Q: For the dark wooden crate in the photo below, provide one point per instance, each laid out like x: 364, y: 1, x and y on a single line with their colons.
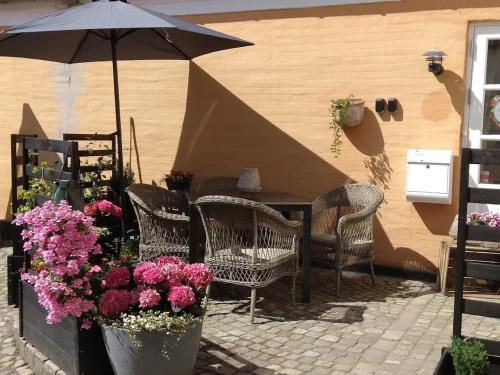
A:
x: 445, y: 365
x: 76, y: 351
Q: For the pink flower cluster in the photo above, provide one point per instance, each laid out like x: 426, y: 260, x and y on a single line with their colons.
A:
x: 104, y: 207
x: 166, y: 283
x: 62, y: 240
x: 484, y: 218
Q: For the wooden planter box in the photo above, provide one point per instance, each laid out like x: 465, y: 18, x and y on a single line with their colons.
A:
x: 75, y: 351
x: 445, y: 365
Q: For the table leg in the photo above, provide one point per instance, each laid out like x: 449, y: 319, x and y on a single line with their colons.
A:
x: 306, y: 255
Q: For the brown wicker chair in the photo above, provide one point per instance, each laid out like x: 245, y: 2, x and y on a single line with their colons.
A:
x: 342, y: 227
x: 219, y: 186
x: 163, y: 221
x: 248, y: 243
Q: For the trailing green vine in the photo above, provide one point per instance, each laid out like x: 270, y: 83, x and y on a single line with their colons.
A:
x: 338, y: 111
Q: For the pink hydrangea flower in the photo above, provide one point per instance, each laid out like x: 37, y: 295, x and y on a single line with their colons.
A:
x: 140, y: 269
x: 90, y: 209
x: 86, y: 323
x: 104, y: 206
x: 149, y: 298
x: 116, y: 211
x: 198, y: 275
x: 181, y: 296
x: 173, y: 274
x: 116, y: 277
x: 168, y: 259
x: 114, y: 302
x: 153, y: 275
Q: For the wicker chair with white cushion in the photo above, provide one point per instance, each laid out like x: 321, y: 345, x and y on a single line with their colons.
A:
x: 342, y: 227
x: 163, y: 221
x: 248, y: 243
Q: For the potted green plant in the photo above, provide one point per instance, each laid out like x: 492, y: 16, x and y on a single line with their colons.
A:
x: 178, y: 180
x: 151, y: 314
x: 469, y: 356
x: 346, y: 113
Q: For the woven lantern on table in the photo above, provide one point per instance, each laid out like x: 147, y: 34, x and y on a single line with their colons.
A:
x: 249, y: 181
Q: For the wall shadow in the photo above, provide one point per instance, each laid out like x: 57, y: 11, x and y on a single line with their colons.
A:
x: 30, y: 126
x: 455, y: 87
x: 406, y: 6
x: 214, y: 143
x: 367, y: 137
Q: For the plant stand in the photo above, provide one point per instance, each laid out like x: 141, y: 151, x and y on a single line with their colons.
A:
x: 75, y: 351
x: 472, y: 268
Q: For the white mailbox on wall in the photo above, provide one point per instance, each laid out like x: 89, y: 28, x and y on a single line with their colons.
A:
x: 429, y: 176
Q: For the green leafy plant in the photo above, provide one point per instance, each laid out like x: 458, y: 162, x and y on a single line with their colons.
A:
x: 469, y: 356
x: 338, y: 110
x: 178, y: 180
x: 37, y: 186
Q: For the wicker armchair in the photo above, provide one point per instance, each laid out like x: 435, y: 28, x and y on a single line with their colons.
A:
x: 219, y: 186
x: 163, y: 221
x: 248, y: 243
x: 342, y: 227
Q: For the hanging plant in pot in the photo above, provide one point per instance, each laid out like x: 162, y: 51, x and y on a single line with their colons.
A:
x: 151, y: 315
x: 346, y: 113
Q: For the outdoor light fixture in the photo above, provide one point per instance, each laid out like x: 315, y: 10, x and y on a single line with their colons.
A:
x: 392, y: 105
x: 435, y: 60
x: 249, y: 181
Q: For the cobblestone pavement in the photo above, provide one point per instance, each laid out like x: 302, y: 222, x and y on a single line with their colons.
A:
x: 398, y: 327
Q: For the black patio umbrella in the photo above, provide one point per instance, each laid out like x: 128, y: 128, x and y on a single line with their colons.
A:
x: 112, y: 30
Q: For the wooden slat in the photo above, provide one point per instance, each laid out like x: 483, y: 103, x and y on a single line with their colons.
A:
x: 481, y: 308
x: 483, y: 233
x: 53, y: 145
x: 93, y: 168
x: 48, y: 173
x: 478, y: 270
x: 489, y: 196
x: 19, y: 160
x: 19, y: 181
x: 89, y: 137
x: 492, y: 347
x: 87, y: 153
x: 485, y: 156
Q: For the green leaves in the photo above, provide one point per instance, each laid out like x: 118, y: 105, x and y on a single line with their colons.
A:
x: 469, y: 356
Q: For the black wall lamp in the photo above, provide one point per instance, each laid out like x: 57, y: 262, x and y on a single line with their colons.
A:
x: 434, y: 57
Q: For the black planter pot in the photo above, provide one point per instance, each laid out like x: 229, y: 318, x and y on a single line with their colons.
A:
x: 75, y: 351
x: 445, y: 365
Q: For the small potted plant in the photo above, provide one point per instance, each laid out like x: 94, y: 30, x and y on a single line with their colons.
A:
x: 488, y: 220
x: 346, y: 113
x: 107, y: 221
x: 151, y: 315
x: 178, y: 180
x: 468, y: 357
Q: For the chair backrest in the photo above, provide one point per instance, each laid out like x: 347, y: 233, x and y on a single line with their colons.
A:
x: 234, y: 224
x: 152, y: 198
x: 328, y: 208
x: 220, y: 185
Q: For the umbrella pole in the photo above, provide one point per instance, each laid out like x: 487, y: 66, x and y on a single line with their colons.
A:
x: 121, y: 191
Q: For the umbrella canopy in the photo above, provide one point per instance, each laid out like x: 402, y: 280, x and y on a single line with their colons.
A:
x: 112, y: 30
x: 84, y: 33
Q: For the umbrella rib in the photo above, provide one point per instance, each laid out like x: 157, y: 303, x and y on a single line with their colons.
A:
x: 172, y: 44
x: 79, y: 47
x: 102, y: 36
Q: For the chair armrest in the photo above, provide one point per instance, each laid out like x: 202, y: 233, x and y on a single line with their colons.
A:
x: 168, y: 216
x: 356, y: 226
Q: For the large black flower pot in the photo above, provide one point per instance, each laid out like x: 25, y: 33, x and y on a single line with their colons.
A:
x: 73, y: 350
x: 445, y: 365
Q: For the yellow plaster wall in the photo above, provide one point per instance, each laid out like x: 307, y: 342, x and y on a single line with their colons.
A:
x: 267, y: 106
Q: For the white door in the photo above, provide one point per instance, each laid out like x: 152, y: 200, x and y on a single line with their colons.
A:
x: 482, y: 117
